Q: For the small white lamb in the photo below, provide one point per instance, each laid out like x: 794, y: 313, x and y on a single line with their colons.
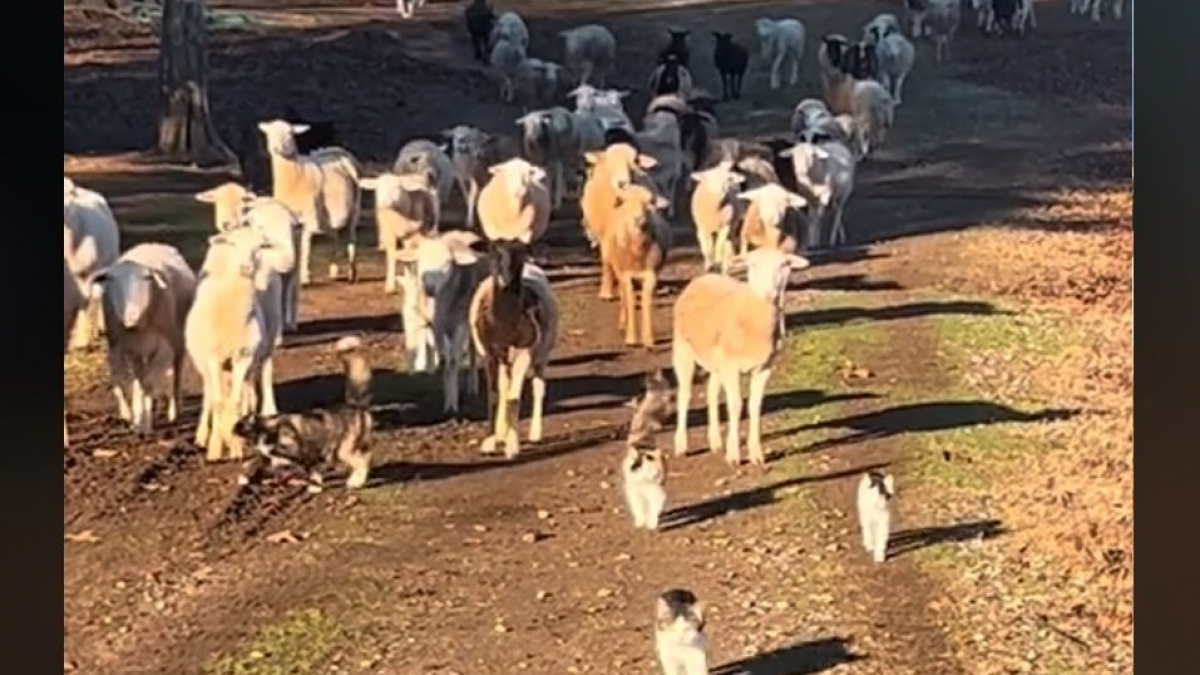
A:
x: 782, y: 41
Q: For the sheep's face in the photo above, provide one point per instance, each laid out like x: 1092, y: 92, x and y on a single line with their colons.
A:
x: 228, y: 200
x: 721, y: 179
x: 281, y: 137
x: 519, y: 175
x: 237, y: 252
x: 835, y: 49
x: 679, y: 39
x: 773, y: 201
x: 128, y: 291
x: 465, y: 141
x: 767, y: 271
x: 507, y: 261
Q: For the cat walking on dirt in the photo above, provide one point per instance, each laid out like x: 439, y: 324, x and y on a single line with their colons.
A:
x: 679, y: 639
x: 876, y: 491
x: 644, y: 468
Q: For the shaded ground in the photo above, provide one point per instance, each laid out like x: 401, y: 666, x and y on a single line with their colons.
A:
x: 454, y: 563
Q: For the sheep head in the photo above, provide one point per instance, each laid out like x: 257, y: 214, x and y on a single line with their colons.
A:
x: 720, y: 179
x: 773, y: 201
x: 518, y: 176
x: 767, y: 271
x: 127, y: 288
x: 506, y: 262
x: 227, y: 200
x: 281, y: 136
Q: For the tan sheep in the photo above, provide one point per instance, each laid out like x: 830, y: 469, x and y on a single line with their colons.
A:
x: 764, y: 224
x: 321, y: 188
x: 610, y: 170
x: 715, y: 210
x: 637, y: 241
x: 405, y: 204
x: 743, y: 337
x: 515, y: 203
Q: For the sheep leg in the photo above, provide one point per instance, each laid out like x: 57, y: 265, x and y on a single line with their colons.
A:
x: 208, y: 377
x: 292, y: 322
x: 334, y: 270
x: 267, y: 384
x: 214, y: 439
x: 137, y: 400
x: 758, y: 387
x: 649, y: 283
x: 389, y: 271
x: 123, y: 408
x: 706, y: 249
x: 519, y: 369
x: 795, y: 72
x: 722, y: 249
x: 712, y: 401
x: 238, y: 377
x: 898, y: 85
x: 838, y: 233
x: 450, y: 375
x: 472, y: 198
x: 731, y: 381
x: 147, y: 412
x: 176, y: 388
x: 627, y: 308
x: 66, y: 437
x: 606, y: 274
x: 538, y: 390
x: 305, y: 257
x: 684, y: 364
x: 776, y: 67
x: 498, y: 376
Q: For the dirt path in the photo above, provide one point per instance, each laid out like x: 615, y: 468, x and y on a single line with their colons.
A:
x: 456, y: 564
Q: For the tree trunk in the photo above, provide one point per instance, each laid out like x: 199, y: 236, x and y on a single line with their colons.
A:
x: 186, y: 132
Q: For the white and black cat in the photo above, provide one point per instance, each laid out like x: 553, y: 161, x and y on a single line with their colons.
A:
x: 876, y: 491
x: 679, y: 639
x: 644, y: 467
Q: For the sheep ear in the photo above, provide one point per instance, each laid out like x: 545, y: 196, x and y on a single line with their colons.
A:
x: 593, y: 157
x: 208, y: 196
x: 95, y: 284
x: 159, y: 278
x: 796, y: 201
x: 820, y: 152
x: 444, y: 147
x: 646, y: 161
x: 264, y: 127
x: 368, y: 183
x: 464, y: 256
x: 300, y: 128
x: 623, y: 94
x: 661, y: 202
x: 798, y: 262
x: 787, y: 153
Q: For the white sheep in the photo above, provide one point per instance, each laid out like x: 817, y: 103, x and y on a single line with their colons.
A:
x: 424, y: 156
x: 868, y: 103
x: 1081, y: 7
x: 782, y: 42
x: 715, y: 211
x: 510, y: 27
x: 834, y: 47
x: 550, y: 141
x: 231, y: 334
x: 942, y: 18
x: 514, y: 327
x: 1022, y: 19
x: 146, y: 296
x: 661, y: 139
x: 763, y: 225
x: 321, y: 188
x: 448, y: 272
x: 515, y: 203
x: 825, y: 172
x: 590, y: 51
x: 536, y: 83
x: 91, y: 242
x: 235, y: 206
x: 895, y: 57
x: 743, y: 337
x: 880, y: 26
x: 405, y: 204
x: 606, y: 105
x: 507, y: 58
x: 73, y: 301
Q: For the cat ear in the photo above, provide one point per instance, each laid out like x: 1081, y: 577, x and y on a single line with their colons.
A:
x: 889, y: 483
x: 698, y: 609
x: 662, y: 611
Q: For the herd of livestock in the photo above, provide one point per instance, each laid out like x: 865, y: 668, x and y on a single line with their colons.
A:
x: 475, y: 297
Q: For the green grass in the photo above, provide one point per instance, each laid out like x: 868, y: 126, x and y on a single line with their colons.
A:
x: 301, y: 644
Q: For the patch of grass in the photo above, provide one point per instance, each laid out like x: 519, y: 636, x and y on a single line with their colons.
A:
x: 300, y: 644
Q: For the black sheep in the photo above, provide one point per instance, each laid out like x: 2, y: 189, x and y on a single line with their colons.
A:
x: 479, y: 18
x: 677, y: 47
x: 731, y: 60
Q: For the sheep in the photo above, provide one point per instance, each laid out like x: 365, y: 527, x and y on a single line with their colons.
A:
x: 715, y: 212
x: 870, y: 106
x: 670, y: 77
x: 764, y: 224
x: 536, y: 83
x: 479, y: 19
x: 230, y: 334
x: 510, y: 27
x: 895, y: 56
x: 591, y: 51
x: 808, y: 114
x: 677, y: 47
x: 880, y: 26
x: 942, y: 18
x: 662, y: 140
x: 825, y: 172
x: 744, y: 336
x: 731, y: 60
x: 1081, y: 7
x: 424, y: 156
x: 515, y: 203
x: 599, y: 109
x: 91, y: 241
x: 637, y: 242
x: 697, y: 128
x: 449, y: 272
x: 782, y: 41
x: 784, y: 169
x: 507, y: 58
x: 405, y: 204
x: 549, y: 141
x: 917, y: 11
x: 992, y: 16
x: 619, y: 135
x: 612, y: 170
x: 514, y: 327
x: 831, y: 54
x: 146, y: 295
x: 73, y: 301
x: 468, y: 147
x: 756, y: 171
x: 321, y: 188
x: 235, y: 206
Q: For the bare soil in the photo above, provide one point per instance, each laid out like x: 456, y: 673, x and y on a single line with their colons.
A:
x: 452, y: 562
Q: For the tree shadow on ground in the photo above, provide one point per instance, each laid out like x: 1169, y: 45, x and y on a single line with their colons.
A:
x: 797, y: 399
x: 846, y: 282
x: 804, y: 658
x: 746, y: 500
x: 923, y: 418
x: 843, y: 315
x: 907, y: 541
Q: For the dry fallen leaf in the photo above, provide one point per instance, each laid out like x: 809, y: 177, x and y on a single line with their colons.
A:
x: 101, y: 453
x: 85, y: 537
x: 285, y: 537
